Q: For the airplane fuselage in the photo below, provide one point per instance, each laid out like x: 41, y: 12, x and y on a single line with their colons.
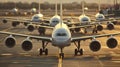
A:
x: 61, y: 36
x: 84, y: 19
x: 37, y: 17
x: 54, y: 20
x: 100, y: 17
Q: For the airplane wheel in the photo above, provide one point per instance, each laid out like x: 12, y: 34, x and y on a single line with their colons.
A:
x: 61, y: 55
x: 4, y: 21
x: 81, y: 51
x: 85, y: 31
x: 46, y: 51
x: 41, y: 51
x: 95, y: 31
x: 76, y: 52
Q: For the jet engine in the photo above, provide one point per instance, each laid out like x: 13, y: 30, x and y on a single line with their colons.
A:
x: 27, y: 45
x: 99, y: 27
x: 25, y: 23
x: 112, y: 42
x: 30, y: 27
x: 4, y: 21
x: 110, y: 26
x: 77, y: 29
x: 41, y: 30
x: 10, y: 41
x: 15, y: 23
x: 95, y: 45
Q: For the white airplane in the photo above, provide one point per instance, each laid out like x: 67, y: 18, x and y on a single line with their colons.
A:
x: 56, y: 18
x: 83, y: 18
x: 33, y: 10
x: 37, y: 17
x: 61, y: 38
x: 99, y: 16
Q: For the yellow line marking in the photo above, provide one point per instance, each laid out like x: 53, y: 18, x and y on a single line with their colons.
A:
x: 60, y: 62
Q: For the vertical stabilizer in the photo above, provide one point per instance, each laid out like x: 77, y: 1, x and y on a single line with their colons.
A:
x: 99, y: 7
x: 61, y: 14
x: 56, y: 9
x: 39, y: 7
x: 83, y: 11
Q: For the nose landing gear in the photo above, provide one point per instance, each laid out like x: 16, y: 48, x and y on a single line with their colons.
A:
x: 61, y: 54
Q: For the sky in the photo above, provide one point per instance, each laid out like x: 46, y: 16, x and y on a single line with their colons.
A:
x: 53, y: 1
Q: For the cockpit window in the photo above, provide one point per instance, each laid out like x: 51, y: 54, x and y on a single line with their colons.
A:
x: 55, y: 21
x: 84, y: 19
x: 36, y: 17
x: 100, y: 16
x: 61, y: 34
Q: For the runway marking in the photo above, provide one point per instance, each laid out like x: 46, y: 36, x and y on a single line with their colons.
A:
x: 102, y: 65
x: 59, y: 62
x: 6, y: 54
x: 7, y: 29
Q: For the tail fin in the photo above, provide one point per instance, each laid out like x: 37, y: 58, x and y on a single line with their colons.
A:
x: 56, y: 9
x: 99, y: 7
x: 39, y: 7
x: 83, y: 5
x: 61, y: 14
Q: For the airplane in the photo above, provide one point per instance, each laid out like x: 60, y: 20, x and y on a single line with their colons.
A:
x: 35, y: 18
x: 84, y: 23
x: 99, y: 16
x: 61, y: 38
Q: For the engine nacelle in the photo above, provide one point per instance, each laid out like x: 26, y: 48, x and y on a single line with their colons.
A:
x: 5, y: 21
x: 31, y: 28
x: 10, y: 41
x: 15, y: 23
x: 99, y: 27
x: 41, y: 30
x: 95, y: 45
x: 110, y: 26
x: 112, y: 42
x: 25, y: 24
x: 77, y: 29
x: 27, y: 45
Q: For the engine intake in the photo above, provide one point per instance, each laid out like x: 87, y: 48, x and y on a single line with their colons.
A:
x: 112, y: 43
x: 30, y: 28
x: 99, y: 27
x: 41, y: 30
x: 77, y: 29
x: 10, y: 41
x: 95, y: 46
x: 27, y: 45
x: 110, y: 26
x: 5, y: 21
x: 15, y: 23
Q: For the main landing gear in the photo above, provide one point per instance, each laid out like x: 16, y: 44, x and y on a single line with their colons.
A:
x: 43, y: 49
x: 78, y: 49
x: 95, y: 30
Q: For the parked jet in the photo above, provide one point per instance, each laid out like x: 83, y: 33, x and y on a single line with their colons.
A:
x: 61, y: 38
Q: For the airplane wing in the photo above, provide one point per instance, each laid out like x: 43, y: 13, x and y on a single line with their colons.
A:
x: 93, y: 36
x: 49, y: 39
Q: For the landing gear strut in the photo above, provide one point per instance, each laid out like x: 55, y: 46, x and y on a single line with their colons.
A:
x: 95, y: 30
x: 61, y: 54
x: 78, y: 50
x: 43, y: 49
